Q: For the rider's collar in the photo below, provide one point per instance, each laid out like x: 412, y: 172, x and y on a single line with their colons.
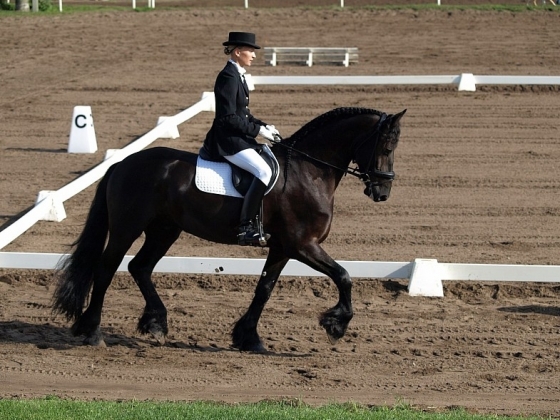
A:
x: 240, y: 69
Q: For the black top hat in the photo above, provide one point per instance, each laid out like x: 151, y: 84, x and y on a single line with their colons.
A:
x: 241, y: 39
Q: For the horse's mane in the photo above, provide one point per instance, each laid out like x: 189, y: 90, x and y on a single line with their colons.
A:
x: 325, y: 119
x: 320, y: 121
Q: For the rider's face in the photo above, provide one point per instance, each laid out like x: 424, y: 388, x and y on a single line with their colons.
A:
x: 244, y: 56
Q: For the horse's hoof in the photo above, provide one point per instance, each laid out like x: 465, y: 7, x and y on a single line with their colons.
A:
x: 159, y: 336
x: 333, y: 340
x: 252, y: 348
x: 157, y: 332
x: 335, y: 326
x: 95, y: 340
x: 257, y: 348
x: 94, y: 343
x: 149, y: 324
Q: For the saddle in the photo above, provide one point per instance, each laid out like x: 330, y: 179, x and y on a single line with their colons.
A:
x: 213, y: 175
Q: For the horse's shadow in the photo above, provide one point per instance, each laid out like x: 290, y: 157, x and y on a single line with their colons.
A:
x: 533, y: 309
x: 48, y: 336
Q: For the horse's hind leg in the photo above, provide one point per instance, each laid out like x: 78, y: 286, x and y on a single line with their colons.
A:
x: 244, y: 334
x: 88, y: 323
x: 159, y: 237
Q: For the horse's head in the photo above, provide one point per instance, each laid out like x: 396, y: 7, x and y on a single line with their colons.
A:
x: 375, y: 155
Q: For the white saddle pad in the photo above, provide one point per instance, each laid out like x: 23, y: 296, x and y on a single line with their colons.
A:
x: 214, y: 178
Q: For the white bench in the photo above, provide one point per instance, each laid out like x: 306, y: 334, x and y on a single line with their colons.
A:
x: 309, y: 56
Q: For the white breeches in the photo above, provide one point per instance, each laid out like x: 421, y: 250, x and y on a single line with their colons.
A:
x: 250, y: 160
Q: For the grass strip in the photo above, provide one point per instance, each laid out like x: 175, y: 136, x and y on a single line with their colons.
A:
x: 63, y: 409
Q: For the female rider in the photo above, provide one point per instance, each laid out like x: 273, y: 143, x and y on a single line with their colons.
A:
x: 234, y: 129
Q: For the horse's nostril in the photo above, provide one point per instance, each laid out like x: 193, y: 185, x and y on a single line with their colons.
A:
x: 383, y: 198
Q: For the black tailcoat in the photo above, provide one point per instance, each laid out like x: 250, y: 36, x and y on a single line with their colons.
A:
x: 234, y: 128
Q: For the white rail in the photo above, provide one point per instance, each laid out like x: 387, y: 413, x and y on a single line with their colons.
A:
x: 359, y: 269
x: 425, y: 276
x: 464, y: 81
x: 195, y: 265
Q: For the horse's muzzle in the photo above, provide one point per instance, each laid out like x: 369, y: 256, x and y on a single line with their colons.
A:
x: 378, y: 192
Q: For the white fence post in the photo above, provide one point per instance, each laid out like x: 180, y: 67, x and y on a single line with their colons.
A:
x: 425, y: 279
x: 54, y: 208
x: 467, y: 82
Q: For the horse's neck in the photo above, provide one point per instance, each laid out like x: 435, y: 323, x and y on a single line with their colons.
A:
x: 334, y: 147
x: 317, y: 159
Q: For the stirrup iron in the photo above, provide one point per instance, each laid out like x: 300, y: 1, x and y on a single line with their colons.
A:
x: 263, y: 239
x: 259, y: 238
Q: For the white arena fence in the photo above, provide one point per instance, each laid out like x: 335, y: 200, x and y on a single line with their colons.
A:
x: 425, y: 275
x: 246, y: 4
x: 151, y: 4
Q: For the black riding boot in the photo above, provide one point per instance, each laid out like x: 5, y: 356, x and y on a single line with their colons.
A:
x: 248, y: 232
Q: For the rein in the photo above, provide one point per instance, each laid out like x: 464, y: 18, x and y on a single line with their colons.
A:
x: 363, y: 175
x: 348, y: 170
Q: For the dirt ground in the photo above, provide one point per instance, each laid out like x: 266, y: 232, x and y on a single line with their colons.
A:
x: 477, y: 182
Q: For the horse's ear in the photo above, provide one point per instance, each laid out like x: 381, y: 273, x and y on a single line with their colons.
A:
x: 397, y: 117
x: 393, y: 119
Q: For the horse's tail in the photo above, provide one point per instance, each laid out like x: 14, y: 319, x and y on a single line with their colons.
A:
x: 75, y: 277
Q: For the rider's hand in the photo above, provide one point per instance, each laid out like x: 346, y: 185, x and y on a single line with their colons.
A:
x: 273, y: 130
x: 266, y: 133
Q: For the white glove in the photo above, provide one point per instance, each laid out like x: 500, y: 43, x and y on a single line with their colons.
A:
x: 273, y: 130
x: 266, y: 133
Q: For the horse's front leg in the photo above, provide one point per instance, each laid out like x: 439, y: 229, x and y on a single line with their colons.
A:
x: 244, y: 334
x: 336, y: 319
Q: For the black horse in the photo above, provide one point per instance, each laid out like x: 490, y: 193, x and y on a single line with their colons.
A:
x: 153, y: 192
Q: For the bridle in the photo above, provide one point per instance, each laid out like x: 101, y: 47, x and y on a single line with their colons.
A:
x: 365, y: 175
x: 387, y: 176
